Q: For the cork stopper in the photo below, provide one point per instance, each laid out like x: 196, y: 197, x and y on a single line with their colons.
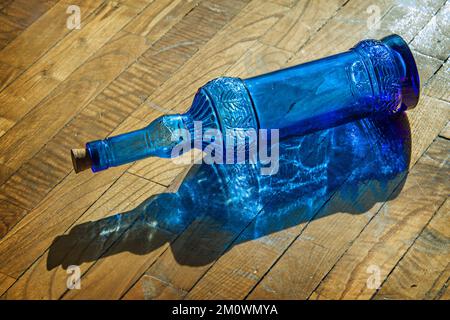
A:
x: 81, y: 160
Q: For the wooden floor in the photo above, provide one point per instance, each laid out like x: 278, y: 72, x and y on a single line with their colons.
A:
x: 133, y: 60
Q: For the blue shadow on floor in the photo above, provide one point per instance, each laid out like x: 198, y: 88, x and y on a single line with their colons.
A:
x: 348, y: 168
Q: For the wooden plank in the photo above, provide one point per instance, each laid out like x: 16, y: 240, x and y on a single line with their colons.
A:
x: 109, y: 109
x: 86, y: 241
x: 96, y: 280
x: 160, y: 17
x: 152, y: 288
x: 428, y: 67
x: 7, y: 75
x: 427, y: 125
x: 286, y: 3
x: 387, y: 237
x: 31, y: 87
x: 302, y: 21
x: 445, y: 133
x: 260, y: 58
x: 425, y: 268
x: 433, y: 40
x: 72, y: 197
x: 16, y: 16
x: 439, y: 85
x: 193, y: 253
x: 9, y: 215
x: 220, y: 53
x: 5, y: 172
x: 136, y: 249
x: 5, y: 4
x: 64, y: 205
x: 185, y: 39
x: 445, y: 292
x: 5, y: 282
x: 32, y: 47
x: 350, y: 25
x: 405, y: 19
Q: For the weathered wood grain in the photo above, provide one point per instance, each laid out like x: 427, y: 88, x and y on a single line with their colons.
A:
x: 350, y: 25
x: 16, y: 16
x: 286, y: 3
x: 86, y: 241
x: 390, y: 233
x: 71, y: 198
x: 428, y: 67
x: 158, y: 18
x: 425, y: 268
x: 7, y: 75
x: 5, y: 4
x: 50, y: 28
x: 127, y: 259
x: 220, y: 53
x: 28, y: 136
x: 445, y: 133
x: 439, y: 84
x: 36, y: 231
x: 31, y: 87
x: 260, y: 58
x: 434, y: 39
x: 9, y: 214
x: 403, y: 18
x: 302, y: 21
x: 5, y: 282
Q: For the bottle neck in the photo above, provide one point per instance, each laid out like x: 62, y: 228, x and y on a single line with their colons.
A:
x: 158, y: 140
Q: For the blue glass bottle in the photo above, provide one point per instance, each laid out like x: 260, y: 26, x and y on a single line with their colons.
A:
x: 373, y: 78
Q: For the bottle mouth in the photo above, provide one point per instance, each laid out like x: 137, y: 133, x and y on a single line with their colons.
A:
x: 410, y: 81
